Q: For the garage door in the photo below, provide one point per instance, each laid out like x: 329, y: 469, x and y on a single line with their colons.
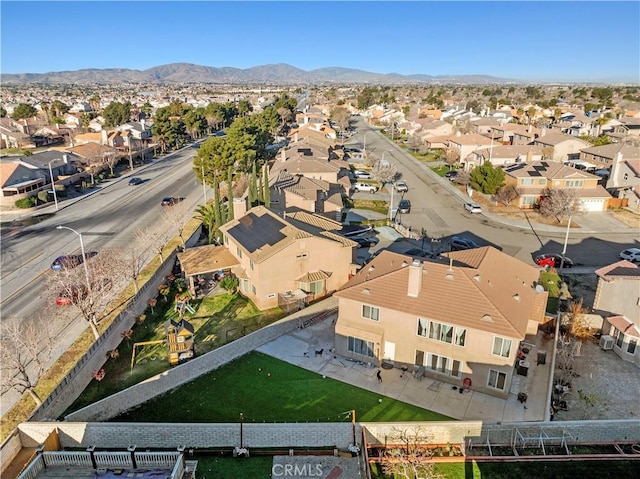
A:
x: 593, y: 204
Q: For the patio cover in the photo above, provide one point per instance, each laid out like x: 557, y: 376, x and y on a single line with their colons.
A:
x: 206, y: 259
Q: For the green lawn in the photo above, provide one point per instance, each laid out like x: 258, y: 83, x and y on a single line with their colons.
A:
x: 266, y: 389
x: 225, y: 467
x: 217, y: 321
x: 550, y: 281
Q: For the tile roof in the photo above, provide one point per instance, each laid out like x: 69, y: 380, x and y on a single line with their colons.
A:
x: 621, y: 323
x: 557, y: 138
x: 622, y: 269
x: 483, y: 289
x: 471, y: 139
x: 547, y: 169
x: 611, y: 150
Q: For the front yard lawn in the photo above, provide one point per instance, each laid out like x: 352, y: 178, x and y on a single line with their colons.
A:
x: 266, y: 389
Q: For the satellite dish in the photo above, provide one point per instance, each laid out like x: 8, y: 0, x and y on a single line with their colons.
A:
x: 539, y: 288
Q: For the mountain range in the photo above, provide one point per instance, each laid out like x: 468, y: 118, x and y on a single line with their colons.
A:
x: 280, y: 73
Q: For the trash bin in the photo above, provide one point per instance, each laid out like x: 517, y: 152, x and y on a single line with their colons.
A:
x: 542, y: 357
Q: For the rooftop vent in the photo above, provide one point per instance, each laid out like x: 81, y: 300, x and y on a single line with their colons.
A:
x: 487, y: 318
x: 516, y: 297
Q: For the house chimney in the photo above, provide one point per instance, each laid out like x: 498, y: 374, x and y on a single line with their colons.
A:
x: 415, y: 279
x: 295, y: 137
x: 104, y: 137
x: 142, y: 123
x: 283, y: 154
x: 239, y: 207
x: 65, y: 158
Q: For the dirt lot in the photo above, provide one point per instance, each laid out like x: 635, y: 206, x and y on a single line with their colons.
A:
x: 582, y: 286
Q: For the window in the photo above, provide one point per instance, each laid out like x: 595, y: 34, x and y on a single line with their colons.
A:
x: 456, y: 368
x: 501, y: 347
x: 497, y: 379
x: 253, y: 289
x: 360, y: 346
x: 419, y: 358
x: 422, y: 327
x: 461, y: 336
x: 438, y: 363
x: 370, y: 312
x: 620, y: 339
x: 529, y: 200
x: 542, y: 182
x: 441, y: 332
x: 239, y: 251
x: 245, y: 285
x: 251, y: 264
x: 574, y: 183
x: 316, y: 287
x: 631, y: 349
x: 226, y: 239
x: 526, y: 181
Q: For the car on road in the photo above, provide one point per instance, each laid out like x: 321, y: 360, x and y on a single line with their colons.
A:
x: 401, y: 186
x: 362, y: 175
x: 170, y: 201
x: 631, y: 254
x: 458, y: 243
x: 70, y: 261
x: 552, y: 261
x: 135, y: 181
x: 473, y: 207
x: 364, y: 187
x: 404, y: 206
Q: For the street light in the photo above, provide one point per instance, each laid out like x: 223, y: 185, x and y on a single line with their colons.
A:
x: 566, y: 239
x: 84, y: 257
x: 385, y: 151
x: 53, y: 186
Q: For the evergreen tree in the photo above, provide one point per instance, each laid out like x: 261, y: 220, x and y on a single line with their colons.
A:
x: 267, y: 193
x: 487, y: 178
x: 217, y: 210
x: 253, y: 189
x: 230, y: 194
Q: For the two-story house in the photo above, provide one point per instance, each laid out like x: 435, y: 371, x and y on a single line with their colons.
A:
x: 605, y: 155
x: 285, y: 259
x: 289, y: 191
x: 618, y: 300
x: 466, y: 144
x: 561, y: 147
x: 532, y: 179
x: 624, y: 181
x: 500, y: 155
x: 460, y: 319
x: 504, y: 133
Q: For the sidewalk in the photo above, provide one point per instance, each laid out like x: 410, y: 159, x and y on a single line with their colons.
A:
x: 299, y: 348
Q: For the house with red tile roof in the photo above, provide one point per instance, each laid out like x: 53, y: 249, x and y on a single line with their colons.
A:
x: 460, y: 318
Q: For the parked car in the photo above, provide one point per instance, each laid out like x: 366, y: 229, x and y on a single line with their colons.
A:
x: 401, y: 186
x: 552, y: 261
x: 70, y: 261
x: 404, y: 206
x: 135, y: 181
x: 459, y: 243
x: 170, y: 201
x: 366, y: 187
x: 71, y: 294
x: 473, y: 207
x: 362, y: 175
x: 365, y: 241
x: 631, y: 254
x: 451, y: 174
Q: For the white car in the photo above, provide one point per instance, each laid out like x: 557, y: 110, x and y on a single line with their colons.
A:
x: 631, y: 254
x: 401, y: 186
x: 364, y: 187
x: 473, y: 207
x: 362, y: 174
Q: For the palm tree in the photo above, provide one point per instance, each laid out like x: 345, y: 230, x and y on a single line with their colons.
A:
x: 207, y: 214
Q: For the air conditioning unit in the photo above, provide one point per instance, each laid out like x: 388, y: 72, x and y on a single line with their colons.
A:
x: 606, y: 342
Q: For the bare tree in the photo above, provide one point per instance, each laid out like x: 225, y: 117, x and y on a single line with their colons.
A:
x: 133, y: 259
x: 505, y: 195
x: 451, y: 156
x: 462, y: 178
x: 579, y: 328
x: 340, y: 115
x: 407, y: 455
x: 415, y: 143
x: 177, y: 216
x: 384, y: 172
x: 26, y: 347
x: 86, y: 287
x: 154, y: 237
x: 110, y: 158
x: 560, y: 203
x: 284, y: 114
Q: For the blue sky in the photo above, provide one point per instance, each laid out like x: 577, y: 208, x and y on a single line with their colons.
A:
x: 535, y: 41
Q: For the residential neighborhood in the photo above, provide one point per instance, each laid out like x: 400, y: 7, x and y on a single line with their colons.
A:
x: 405, y: 247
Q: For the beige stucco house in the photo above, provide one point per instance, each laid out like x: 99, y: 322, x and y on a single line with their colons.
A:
x: 561, y: 147
x: 618, y: 300
x: 288, y: 260
x: 459, y: 320
x: 288, y: 192
x: 530, y: 181
x: 466, y: 144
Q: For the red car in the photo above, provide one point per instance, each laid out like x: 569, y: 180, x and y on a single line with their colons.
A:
x: 71, y: 294
x: 553, y: 261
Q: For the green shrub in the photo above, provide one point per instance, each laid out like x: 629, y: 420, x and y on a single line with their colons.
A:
x: 43, y: 196
x: 28, y: 202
